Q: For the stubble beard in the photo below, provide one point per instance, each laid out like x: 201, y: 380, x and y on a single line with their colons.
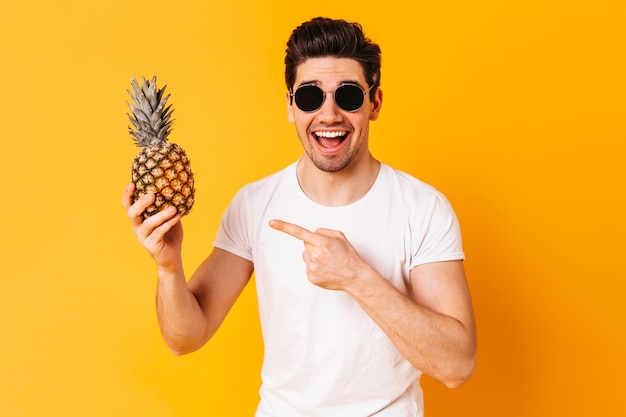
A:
x: 328, y: 163
x: 332, y: 163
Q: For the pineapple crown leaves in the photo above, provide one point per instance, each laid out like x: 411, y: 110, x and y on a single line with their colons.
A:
x: 151, y: 119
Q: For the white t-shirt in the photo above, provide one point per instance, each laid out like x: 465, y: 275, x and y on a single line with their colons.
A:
x: 324, y: 356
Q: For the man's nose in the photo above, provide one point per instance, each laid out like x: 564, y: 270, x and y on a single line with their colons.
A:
x: 329, y: 112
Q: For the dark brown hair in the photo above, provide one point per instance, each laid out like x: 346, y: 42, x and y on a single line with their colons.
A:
x: 324, y: 37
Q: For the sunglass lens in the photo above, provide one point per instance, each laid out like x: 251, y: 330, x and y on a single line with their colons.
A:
x: 349, y: 97
x: 309, y: 97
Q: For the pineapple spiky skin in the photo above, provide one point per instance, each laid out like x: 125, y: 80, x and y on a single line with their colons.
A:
x: 160, y: 167
x: 165, y: 171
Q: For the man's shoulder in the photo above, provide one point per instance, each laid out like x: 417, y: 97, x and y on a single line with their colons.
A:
x: 407, y: 182
x: 264, y: 188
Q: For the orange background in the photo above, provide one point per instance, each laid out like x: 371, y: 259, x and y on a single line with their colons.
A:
x: 514, y: 109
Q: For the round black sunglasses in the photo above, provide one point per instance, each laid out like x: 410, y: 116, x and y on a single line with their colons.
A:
x: 348, y: 96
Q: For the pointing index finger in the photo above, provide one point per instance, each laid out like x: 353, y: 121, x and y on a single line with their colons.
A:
x: 293, y: 230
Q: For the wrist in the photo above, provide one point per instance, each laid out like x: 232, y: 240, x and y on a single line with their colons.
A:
x: 169, y: 271
x: 365, y: 281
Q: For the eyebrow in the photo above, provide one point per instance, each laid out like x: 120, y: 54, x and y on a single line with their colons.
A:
x: 317, y: 82
x: 312, y: 82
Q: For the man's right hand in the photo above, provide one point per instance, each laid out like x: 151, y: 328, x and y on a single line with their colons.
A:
x: 161, y: 234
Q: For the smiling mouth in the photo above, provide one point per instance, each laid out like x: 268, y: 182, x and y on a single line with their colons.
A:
x: 330, y: 140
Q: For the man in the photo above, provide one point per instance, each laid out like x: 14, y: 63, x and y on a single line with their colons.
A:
x: 358, y: 267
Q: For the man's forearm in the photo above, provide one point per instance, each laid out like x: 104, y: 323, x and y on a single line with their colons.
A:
x: 438, y: 345
x: 182, y: 320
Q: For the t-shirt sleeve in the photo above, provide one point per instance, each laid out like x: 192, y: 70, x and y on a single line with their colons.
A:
x: 232, y: 234
x: 436, y: 234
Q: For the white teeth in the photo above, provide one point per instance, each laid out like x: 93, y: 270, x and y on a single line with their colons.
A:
x: 330, y: 134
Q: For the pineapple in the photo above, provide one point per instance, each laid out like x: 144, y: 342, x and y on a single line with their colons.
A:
x: 160, y: 167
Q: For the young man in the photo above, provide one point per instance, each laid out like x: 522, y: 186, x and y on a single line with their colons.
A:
x: 358, y: 266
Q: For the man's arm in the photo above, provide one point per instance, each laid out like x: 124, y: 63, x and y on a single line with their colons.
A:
x: 189, y: 313
x: 434, y: 330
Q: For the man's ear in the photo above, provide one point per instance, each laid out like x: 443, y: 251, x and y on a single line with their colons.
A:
x: 290, y: 116
x: 377, y: 104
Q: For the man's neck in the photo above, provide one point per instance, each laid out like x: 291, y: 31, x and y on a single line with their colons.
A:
x: 335, y: 189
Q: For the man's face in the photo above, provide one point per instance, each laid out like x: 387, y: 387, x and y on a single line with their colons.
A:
x: 333, y: 138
